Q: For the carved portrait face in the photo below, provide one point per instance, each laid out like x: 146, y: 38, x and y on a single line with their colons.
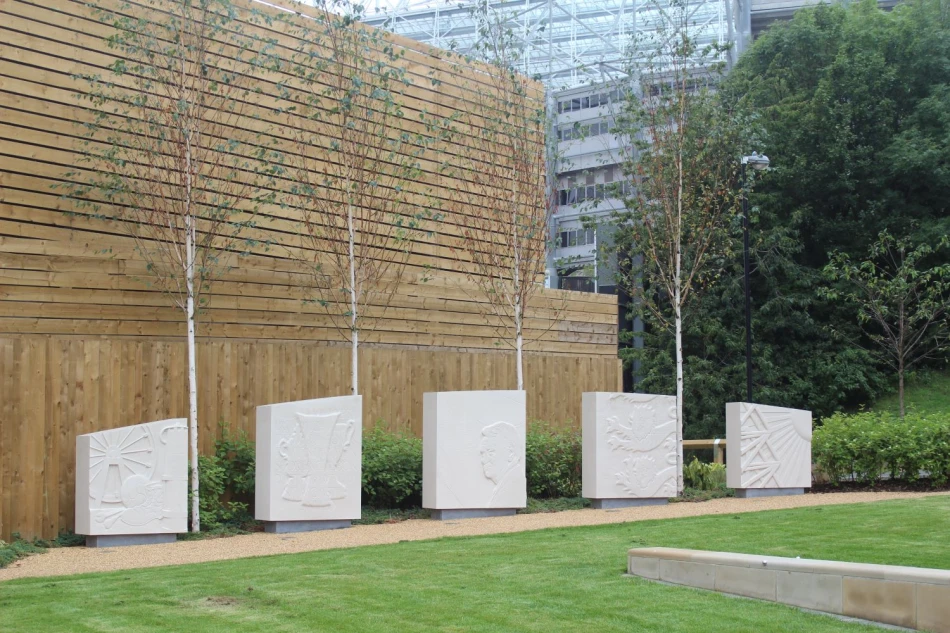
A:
x: 499, y: 450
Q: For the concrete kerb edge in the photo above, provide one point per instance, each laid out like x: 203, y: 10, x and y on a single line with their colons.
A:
x: 836, y: 616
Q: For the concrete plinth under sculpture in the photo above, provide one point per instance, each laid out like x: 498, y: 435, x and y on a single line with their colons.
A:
x: 614, y: 504
x: 308, y: 471
x: 768, y: 450
x: 121, y: 540
x: 752, y: 493
x: 484, y: 513
x: 629, y: 449
x: 132, y: 484
x: 290, y: 527
x: 473, y: 460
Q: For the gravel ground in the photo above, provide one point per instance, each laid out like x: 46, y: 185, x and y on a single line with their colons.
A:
x: 80, y: 560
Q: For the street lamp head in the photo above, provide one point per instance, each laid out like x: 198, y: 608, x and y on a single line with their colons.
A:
x: 756, y: 160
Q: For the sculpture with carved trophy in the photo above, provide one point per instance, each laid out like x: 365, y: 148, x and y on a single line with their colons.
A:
x: 308, y: 470
x: 132, y: 484
x: 629, y: 449
x: 768, y: 450
x: 473, y: 453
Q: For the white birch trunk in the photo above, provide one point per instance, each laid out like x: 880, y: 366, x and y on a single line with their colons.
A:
x: 678, y: 307
x: 192, y: 373
x: 516, y: 286
x: 190, y: 315
x: 354, y: 330
x: 519, y: 344
x: 679, y: 393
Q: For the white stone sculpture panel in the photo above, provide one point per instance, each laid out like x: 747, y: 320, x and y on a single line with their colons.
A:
x: 473, y: 450
x: 133, y: 480
x: 309, y: 460
x: 767, y: 447
x: 629, y: 446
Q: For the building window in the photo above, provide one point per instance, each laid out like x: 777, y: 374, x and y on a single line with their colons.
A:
x: 592, y: 101
x: 576, y: 195
x: 576, y: 237
x: 577, y: 131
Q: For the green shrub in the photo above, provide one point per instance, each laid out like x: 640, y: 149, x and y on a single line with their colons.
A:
x: 226, y: 483
x: 869, y: 444
x: 392, y: 469
x: 702, y: 476
x: 553, y: 463
x: 17, y: 549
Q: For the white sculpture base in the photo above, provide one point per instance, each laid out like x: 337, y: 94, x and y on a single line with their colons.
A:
x: 768, y: 449
x: 308, y: 471
x: 121, y: 540
x: 485, y: 513
x: 473, y: 456
x: 132, y: 484
x: 290, y: 527
x: 629, y: 449
x: 613, y: 504
x: 751, y: 493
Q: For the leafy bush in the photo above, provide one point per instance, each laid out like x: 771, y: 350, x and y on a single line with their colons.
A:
x: 392, y: 469
x: 553, y: 463
x: 226, y: 482
x: 702, y: 476
x: 870, y: 444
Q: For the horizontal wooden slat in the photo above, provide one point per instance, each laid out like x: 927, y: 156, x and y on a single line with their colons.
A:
x: 88, y: 342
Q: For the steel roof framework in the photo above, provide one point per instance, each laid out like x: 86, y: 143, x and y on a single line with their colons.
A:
x: 567, y: 43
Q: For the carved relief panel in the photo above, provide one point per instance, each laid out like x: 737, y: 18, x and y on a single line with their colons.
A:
x: 629, y: 446
x: 474, y: 450
x: 309, y: 460
x: 133, y: 479
x: 767, y: 447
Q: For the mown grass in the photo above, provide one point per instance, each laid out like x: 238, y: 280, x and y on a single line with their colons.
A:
x: 549, y: 581
x: 926, y: 392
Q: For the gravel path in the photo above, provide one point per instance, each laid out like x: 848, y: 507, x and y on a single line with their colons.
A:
x: 80, y: 560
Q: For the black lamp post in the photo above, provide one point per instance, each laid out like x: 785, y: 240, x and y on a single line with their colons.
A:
x: 758, y: 163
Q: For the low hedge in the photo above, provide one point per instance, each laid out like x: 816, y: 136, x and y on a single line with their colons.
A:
x: 392, y: 467
x: 553, y: 463
x: 869, y: 445
x: 392, y: 472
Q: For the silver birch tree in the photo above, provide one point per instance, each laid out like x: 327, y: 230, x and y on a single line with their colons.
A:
x: 166, y: 158
x: 505, y: 206
x: 355, y: 167
x: 681, y: 166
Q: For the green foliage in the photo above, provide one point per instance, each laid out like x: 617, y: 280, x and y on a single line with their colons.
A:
x: 703, y: 476
x: 376, y: 516
x: 870, y: 444
x: 392, y: 469
x: 854, y: 108
x: 392, y: 466
x: 16, y: 549
x: 694, y: 495
x: 226, y: 482
x: 903, y: 303
x: 552, y: 462
x: 559, y: 504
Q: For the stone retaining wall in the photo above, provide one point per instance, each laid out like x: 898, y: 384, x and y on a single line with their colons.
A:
x: 912, y: 597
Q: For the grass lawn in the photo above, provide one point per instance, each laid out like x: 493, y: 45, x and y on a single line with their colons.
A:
x: 554, y: 580
x: 929, y: 393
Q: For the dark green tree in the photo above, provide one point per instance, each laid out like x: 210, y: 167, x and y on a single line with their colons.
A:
x: 854, y: 105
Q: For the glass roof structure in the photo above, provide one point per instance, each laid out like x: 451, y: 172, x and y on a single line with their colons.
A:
x: 567, y: 43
